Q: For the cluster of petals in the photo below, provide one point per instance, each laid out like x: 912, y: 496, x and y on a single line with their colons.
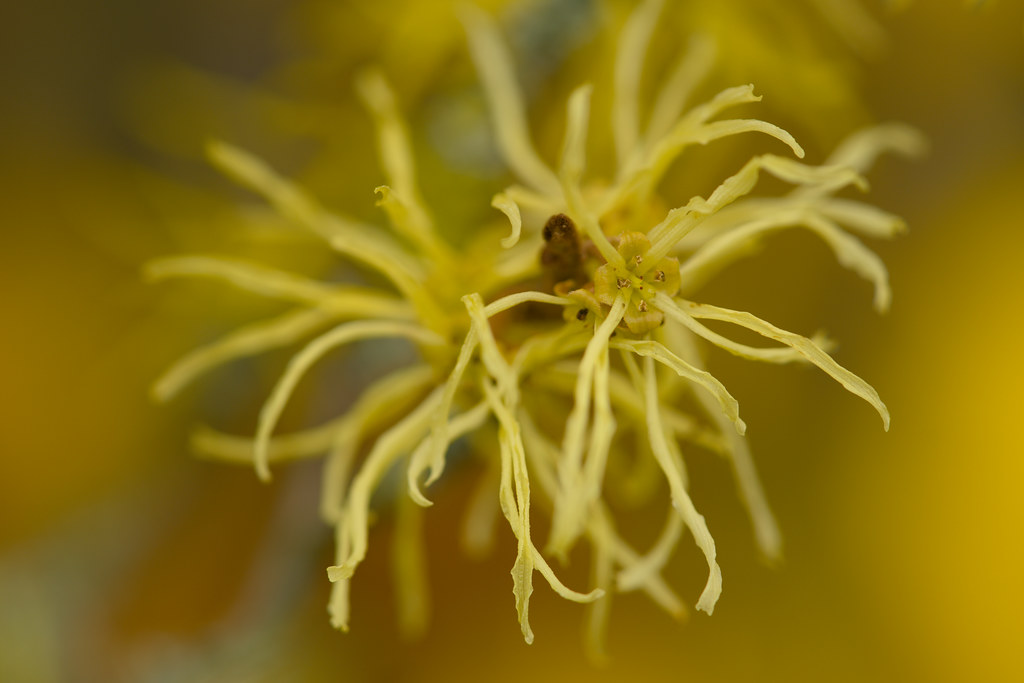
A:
x: 626, y: 345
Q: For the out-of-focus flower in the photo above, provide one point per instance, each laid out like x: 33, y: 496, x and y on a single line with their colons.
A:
x: 560, y: 350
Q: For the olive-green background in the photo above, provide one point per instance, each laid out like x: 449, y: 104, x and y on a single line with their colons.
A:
x: 123, y: 558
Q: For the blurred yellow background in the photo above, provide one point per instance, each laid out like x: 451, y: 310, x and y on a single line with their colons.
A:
x: 124, y: 558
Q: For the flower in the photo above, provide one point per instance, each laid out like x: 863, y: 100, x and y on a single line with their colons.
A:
x: 619, y: 268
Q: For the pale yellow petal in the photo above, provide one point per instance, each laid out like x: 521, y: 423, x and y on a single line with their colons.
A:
x: 599, y: 611
x: 766, y: 529
x: 863, y: 218
x: 508, y: 113
x: 339, y: 605
x: 680, y: 498
x: 737, y: 242
x: 601, y: 433
x: 512, y: 300
x: 245, y: 275
x: 860, y: 150
x: 409, y: 569
x: 361, y: 243
x: 395, y: 151
x: 852, y: 254
x: 720, y: 129
x: 247, y: 341
x: 345, y: 300
x: 574, y: 147
x: 826, y: 178
x: 439, y: 438
x: 384, y: 401
x: 210, y: 443
x: 688, y: 72
x: 772, y: 355
x: 543, y: 455
x: 478, y: 521
x: 801, y: 345
x: 638, y: 573
x: 304, y: 359
x: 457, y: 427
x: 571, y: 172
x: 502, y: 202
x: 390, y: 446
x: 652, y: 349
x: 629, y: 61
x: 570, y: 504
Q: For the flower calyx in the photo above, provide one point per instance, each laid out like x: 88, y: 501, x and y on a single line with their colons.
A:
x: 612, y: 281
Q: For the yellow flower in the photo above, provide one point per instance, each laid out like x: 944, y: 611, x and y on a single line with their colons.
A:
x: 489, y: 357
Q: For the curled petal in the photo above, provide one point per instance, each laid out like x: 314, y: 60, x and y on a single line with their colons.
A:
x: 802, y: 345
x: 302, y: 361
x: 508, y: 112
x: 629, y: 62
x: 680, y: 498
x: 502, y: 202
x: 652, y: 349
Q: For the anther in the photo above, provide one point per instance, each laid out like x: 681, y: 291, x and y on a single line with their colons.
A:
x: 638, y: 259
x: 659, y: 276
x: 642, y: 306
x: 622, y: 283
x: 582, y: 314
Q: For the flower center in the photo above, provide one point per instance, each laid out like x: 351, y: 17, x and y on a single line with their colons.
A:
x: 612, y: 281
